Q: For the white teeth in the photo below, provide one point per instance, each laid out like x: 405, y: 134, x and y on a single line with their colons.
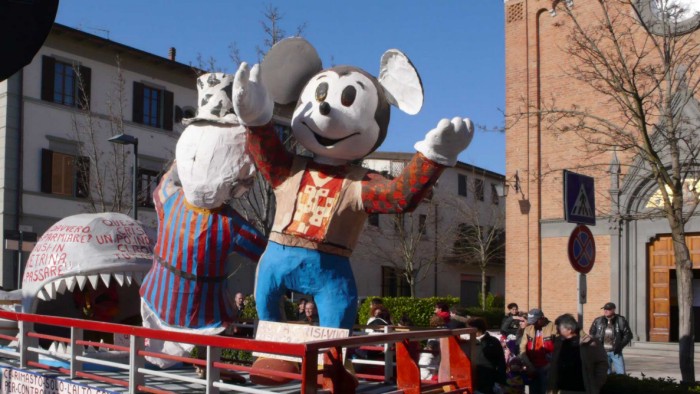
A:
x: 62, y: 348
x: 127, y: 278
x: 61, y: 286
x: 94, y: 280
x: 138, y: 277
x: 70, y: 283
x: 119, y: 278
x: 81, y: 281
x: 105, y: 278
x: 43, y: 295
x: 50, y: 290
x: 49, y: 287
x: 53, y: 348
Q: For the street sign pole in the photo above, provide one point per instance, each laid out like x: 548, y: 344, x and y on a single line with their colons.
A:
x: 579, y: 208
x: 582, y: 295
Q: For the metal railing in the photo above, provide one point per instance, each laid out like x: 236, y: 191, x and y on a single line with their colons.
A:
x: 455, y: 367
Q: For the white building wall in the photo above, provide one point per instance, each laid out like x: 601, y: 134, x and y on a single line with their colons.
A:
x: 45, y: 121
x: 452, y: 210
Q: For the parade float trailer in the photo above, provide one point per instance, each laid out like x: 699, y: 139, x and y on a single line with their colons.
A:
x: 60, y: 332
x: 23, y: 372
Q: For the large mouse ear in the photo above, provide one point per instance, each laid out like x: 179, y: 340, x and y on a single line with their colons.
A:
x: 287, y: 67
x: 401, y: 82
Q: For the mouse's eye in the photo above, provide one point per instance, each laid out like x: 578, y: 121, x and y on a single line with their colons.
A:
x: 322, y: 91
x: 348, y: 95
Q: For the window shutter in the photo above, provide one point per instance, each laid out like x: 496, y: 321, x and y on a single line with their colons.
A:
x: 138, y: 103
x: 178, y: 114
x: 82, y: 177
x: 46, y: 170
x: 83, y: 99
x: 48, y: 70
x: 168, y: 110
x: 461, y: 185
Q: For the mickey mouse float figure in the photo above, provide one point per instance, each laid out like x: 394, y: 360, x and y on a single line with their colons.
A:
x: 342, y: 115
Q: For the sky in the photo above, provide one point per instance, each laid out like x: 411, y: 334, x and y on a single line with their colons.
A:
x: 457, y: 46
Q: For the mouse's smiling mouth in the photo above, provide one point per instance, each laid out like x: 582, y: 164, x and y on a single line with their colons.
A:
x: 327, y: 141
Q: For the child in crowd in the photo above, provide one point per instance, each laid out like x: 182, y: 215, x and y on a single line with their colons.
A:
x: 429, y: 361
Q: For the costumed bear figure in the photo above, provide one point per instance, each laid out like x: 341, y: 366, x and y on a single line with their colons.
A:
x: 186, y: 288
x: 342, y: 115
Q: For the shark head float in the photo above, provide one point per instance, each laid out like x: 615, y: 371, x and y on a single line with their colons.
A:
x: 82, y: 255
x: 87, y: 266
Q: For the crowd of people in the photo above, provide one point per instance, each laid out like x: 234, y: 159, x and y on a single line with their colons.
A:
x: 547, y: 356
x: 559, y: 356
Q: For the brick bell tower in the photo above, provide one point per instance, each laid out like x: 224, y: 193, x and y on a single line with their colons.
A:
x: 634, y: 265
x: 538, y: 273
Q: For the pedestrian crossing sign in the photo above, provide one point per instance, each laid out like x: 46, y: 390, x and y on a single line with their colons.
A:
x: 579, y: 198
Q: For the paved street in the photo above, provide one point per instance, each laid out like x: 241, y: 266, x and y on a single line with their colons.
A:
x: 655, y: 366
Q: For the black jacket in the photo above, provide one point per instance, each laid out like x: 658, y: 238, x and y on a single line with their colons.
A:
x: 621, y: 330
x: 510, y: 326
x: 489, y: 364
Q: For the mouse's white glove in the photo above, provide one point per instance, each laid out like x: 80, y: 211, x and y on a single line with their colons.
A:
x: 252, y: 104
x: 443, y: 143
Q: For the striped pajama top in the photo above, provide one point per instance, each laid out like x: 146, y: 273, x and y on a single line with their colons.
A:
x: 186, y: 286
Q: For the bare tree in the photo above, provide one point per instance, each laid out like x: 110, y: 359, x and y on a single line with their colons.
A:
x: 274, y: 33
x: 100, y: 166
x: 644, y: 71
x: 480, y: 238
x: 406, y: 245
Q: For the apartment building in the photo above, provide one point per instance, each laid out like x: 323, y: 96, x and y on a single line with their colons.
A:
x: 56, y: 115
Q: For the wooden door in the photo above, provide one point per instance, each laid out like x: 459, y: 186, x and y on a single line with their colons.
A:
x: 661, y: 262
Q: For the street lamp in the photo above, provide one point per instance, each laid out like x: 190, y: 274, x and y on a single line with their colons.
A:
x: 126, y: 139
x: 502, y: 188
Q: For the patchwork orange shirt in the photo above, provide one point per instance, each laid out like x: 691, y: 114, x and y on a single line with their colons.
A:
x: 317, y: 196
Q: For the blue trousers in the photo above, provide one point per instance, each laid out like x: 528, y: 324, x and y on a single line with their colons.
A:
x: 616, y: 364
x: 326, y: 277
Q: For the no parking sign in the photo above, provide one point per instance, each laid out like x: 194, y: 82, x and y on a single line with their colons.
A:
x: 582, y: 249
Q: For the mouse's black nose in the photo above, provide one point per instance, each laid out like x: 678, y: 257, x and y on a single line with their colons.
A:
x: 324, y: 108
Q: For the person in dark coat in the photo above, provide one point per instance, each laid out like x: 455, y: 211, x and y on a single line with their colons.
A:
x: 488, y: 360
x: 456, y: 320
x: 613, y: 331
x: 511, y: 322
x: 579, y: 363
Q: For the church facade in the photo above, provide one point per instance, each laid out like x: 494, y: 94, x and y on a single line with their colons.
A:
x: 634, y: 264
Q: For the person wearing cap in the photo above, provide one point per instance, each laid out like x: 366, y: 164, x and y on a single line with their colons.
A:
x: 536, y: 347
x: 614, y: 333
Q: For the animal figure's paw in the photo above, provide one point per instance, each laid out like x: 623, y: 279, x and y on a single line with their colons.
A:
x: 443, y: 143
x: 251, y: 102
